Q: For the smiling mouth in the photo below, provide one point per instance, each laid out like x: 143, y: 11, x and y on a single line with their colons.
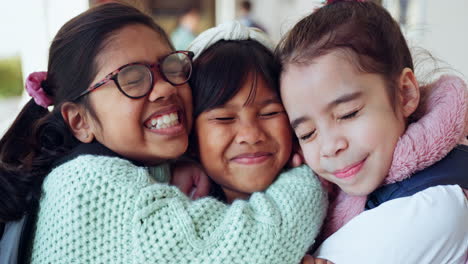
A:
x: 168, y: 123
x: 163, y: 121
x: 252, y: 158
x: 350, y: 170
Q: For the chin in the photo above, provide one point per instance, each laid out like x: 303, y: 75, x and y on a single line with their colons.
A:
x: 260, y: 187
x: 358, y: 191
x: 172, y: 151
x: 162, y: 157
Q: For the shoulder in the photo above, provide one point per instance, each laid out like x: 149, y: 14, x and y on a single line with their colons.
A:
x: 94, y: 169
x: 434, y: 220
x: 440, y: 209
x: 299, y: 184
x: 301, y: 174
x: 442, y: 204
x: 448, y: 171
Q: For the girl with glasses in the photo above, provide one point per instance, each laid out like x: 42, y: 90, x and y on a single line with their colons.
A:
x: 91, y: 175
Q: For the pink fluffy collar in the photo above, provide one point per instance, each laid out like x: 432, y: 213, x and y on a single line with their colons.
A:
x: 425, y: 142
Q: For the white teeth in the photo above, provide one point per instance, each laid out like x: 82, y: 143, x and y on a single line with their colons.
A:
x: 164, y: 121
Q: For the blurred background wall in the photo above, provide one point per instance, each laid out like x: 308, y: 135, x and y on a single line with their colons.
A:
x: 28, y: 26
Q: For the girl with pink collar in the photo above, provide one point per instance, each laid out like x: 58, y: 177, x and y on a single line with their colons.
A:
x: 367, y: 126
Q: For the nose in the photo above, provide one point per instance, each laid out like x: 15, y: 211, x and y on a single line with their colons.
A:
x: 161, y: 89
x: 250, y: 132
x: 332, y: 144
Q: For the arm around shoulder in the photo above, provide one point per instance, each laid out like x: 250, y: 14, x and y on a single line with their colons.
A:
x: 276, y: 226
x: 111, y: 212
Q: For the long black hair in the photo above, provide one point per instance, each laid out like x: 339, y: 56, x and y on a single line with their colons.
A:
x: 38, y: 137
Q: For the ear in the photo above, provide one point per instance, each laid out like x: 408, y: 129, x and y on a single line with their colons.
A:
x: 76, y: 118
x: 409, y: 93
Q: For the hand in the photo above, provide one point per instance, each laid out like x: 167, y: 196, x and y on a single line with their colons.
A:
x: 191, y: 180
x: 296, y: 160
x: 308, y: 259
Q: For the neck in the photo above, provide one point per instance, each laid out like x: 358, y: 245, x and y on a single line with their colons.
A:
x: 232, y: 195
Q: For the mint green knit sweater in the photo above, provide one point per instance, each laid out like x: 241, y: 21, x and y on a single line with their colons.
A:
x: 97, y: 209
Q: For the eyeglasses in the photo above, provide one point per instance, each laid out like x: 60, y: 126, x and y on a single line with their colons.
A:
x: 135, y: 80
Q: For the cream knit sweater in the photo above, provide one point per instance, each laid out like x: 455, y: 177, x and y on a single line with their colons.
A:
x: 97, y: 209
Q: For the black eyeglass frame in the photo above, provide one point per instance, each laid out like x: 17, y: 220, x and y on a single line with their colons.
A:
x: 152, y: 67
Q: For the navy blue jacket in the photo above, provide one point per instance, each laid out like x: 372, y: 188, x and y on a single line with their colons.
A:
x: 453, y: 169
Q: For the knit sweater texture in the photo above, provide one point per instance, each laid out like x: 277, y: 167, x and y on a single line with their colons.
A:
x: 98, y: 209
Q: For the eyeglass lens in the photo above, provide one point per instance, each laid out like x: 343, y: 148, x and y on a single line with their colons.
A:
x: 176, y: 68
x: 135, y: 80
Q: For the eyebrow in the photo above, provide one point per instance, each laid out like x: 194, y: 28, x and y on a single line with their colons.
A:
x: 296, y: 122
x: 272, y: 100
x: 340, y: 100
x: 343, y: 99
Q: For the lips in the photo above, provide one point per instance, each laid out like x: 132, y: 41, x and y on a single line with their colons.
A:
x: 252, y: 158
x: 350, y: 170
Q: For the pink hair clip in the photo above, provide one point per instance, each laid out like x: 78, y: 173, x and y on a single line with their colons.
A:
x: 35, y: 90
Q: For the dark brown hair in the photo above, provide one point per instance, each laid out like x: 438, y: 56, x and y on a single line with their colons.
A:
x: 222, y: 69
x: 363, y: 30
x: 38, y: 137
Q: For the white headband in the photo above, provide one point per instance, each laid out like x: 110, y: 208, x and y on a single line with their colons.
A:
x: 232, y: 30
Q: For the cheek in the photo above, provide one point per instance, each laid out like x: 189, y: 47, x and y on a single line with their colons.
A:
x: 282, y: 133
x: 311, y: 156
x: 212, y: 141
x: 116, y: 112
x: 212, y: 145
x: 378, y: 136
x: 379, y: 132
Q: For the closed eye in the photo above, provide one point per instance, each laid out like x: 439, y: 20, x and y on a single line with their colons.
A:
x: 269, y: 114
x: 224, y: 118
x: 134, y: 82
x: 306, y: 136
x: 350, y: 115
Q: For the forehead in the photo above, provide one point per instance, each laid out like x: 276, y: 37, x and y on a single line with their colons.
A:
x: 331, y: 68
x: 253, y: 90
x: 320, y: 79
x: 310, y: 88
x: 132, y: 43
